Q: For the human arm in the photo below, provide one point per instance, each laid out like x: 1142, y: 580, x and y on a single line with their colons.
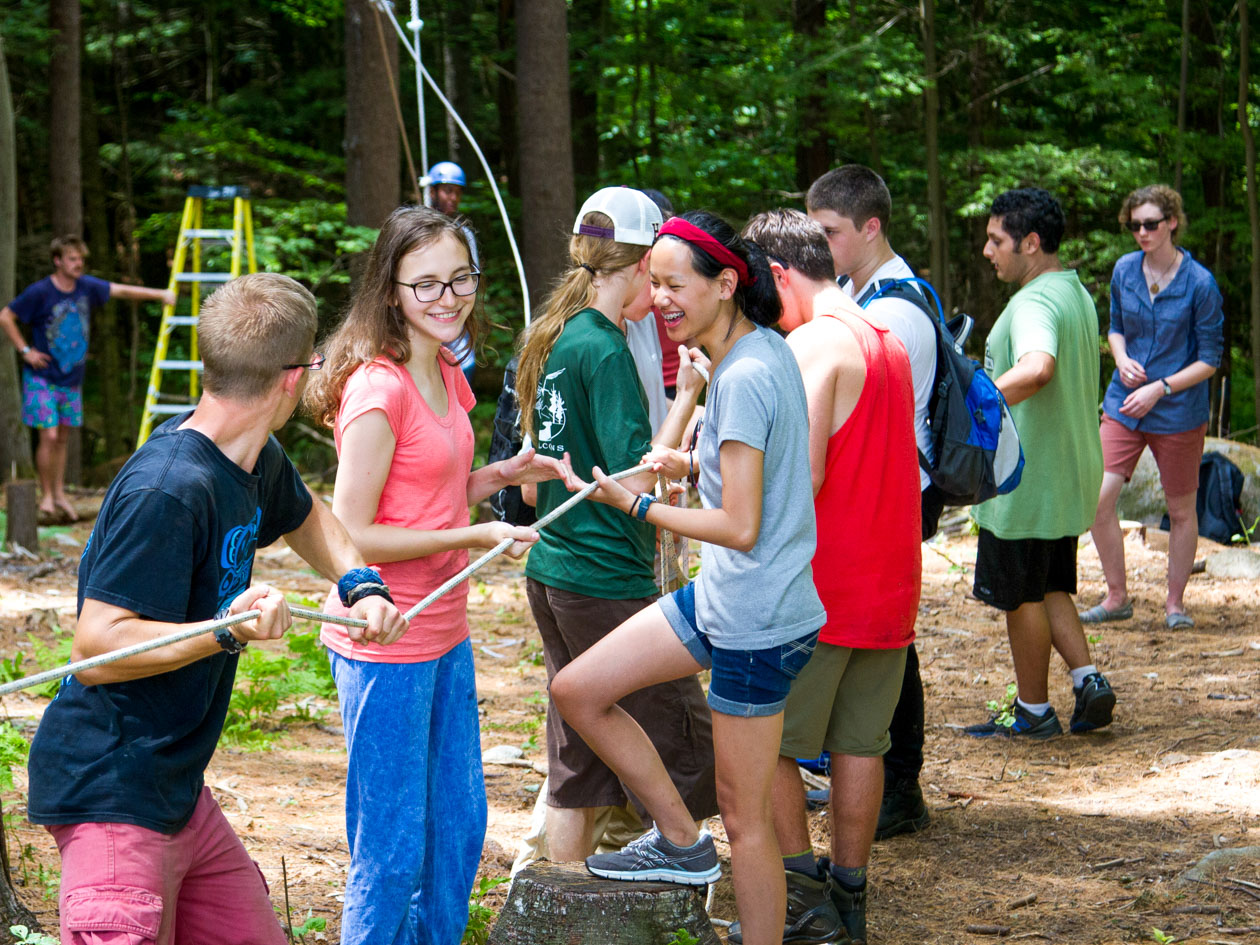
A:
x: 1132, y: 374
x: 324, y: 543
x: 140, y: 293
x: 367, y: 450
x: 527, y: 467
x: 8, y: 322
x: 1141, y: 401
x: 1028, y: 375
x: 104, y: 627
x: 689, y: 384
x: 833, y: 372
x: 736, y: 524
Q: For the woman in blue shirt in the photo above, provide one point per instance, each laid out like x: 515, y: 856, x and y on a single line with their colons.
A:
x: 1167, y: 338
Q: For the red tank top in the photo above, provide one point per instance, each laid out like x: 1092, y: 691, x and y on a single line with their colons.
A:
x: 869, y: 562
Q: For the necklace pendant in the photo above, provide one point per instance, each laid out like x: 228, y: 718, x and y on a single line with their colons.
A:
x: 1154, y: 288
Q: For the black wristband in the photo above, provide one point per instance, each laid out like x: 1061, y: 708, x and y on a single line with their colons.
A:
x: 368, y: 590
x: 229, y: 642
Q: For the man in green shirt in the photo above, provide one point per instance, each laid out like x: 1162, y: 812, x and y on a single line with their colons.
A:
x: 1043, y: 351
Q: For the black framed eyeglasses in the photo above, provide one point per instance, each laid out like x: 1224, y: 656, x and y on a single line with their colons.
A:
x: 1149, y: 225
x: 433, y: 289
x: 310, y: 365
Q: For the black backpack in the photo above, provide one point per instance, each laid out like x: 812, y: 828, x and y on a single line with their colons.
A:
x: 505, y: 442
x: 975, y: 448
x: 1219, y: 500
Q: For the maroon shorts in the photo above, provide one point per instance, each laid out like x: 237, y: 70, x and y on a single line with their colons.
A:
x: 1176, y: 454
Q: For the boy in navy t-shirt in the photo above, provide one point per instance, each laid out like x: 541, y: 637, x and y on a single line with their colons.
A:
x: 58, y: 309
x: 117, y: 767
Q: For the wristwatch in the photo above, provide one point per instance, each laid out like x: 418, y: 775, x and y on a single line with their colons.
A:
x: 26, y: 350
x: 1167, y: 388
x: 226, y: 640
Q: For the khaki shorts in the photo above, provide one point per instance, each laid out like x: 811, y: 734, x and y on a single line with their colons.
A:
x: 843, y: 702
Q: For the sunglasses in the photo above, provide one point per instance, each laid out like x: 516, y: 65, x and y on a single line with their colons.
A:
x: 1149, y: 225
x: 309, y: 365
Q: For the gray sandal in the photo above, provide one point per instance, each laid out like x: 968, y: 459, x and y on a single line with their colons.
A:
x: 1100, y: 614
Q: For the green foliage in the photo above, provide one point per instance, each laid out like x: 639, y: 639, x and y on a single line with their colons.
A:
x: 25, y: 936
x: 310, y: 924
x: 1162, y: 937
x: 683, y: 937
x: 480, y: 916
x: 48, y: 656
x: 13, y: 750
x: 1004, y: 709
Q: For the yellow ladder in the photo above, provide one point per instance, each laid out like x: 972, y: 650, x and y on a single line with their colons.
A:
x: 186, y: 271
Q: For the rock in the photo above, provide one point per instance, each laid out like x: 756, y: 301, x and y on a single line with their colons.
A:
x: 1217, y: 860
x: 1234, y: 563
x: 1143, y: 498
x: 501, y: 754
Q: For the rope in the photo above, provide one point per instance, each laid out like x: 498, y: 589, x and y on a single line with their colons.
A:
x: 195, y: 631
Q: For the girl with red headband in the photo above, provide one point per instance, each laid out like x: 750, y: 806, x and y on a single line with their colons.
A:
x: 752, y: 617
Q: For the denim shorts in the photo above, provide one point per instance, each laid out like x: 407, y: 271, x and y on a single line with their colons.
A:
x: 743, y: 682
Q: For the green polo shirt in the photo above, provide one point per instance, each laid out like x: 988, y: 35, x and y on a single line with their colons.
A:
x: 591, y: 405
x: 1058, y: 425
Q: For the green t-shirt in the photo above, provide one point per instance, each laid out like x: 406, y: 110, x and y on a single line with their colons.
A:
x: 591, y: 405
x: 1058, y: 425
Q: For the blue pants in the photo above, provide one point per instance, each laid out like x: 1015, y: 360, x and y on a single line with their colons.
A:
x: 415, y: 798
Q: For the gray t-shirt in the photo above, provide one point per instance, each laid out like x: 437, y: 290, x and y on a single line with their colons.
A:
x: 764, y: 597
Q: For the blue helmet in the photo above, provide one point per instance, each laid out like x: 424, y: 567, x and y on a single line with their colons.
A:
x: 447, y: 172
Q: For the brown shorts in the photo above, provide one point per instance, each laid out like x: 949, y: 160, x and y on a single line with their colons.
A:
x: 674, y: 715
x: 1176, y: 454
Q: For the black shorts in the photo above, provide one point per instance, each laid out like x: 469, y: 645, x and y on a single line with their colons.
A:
x: 1010, y: 573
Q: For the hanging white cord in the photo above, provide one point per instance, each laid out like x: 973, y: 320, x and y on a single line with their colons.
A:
x: 386, y: 7
x: 188, y: 633
x: 415, y: 24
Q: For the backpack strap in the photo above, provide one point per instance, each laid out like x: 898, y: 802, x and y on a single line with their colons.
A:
x: 901, y: 287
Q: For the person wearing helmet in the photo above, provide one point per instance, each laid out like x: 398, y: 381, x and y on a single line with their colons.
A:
x: 446, y: 182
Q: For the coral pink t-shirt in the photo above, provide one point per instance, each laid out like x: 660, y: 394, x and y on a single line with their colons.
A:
x: 426, y: 489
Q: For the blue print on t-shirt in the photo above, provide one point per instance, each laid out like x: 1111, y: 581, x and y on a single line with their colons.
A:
x: 67, y: 332
x: 237, y: 559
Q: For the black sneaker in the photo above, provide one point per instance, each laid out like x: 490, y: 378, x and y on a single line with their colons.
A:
x: 902, y: 809
x: 812, y: 918
x: 817, y: 799
x: 1094, y: 702
x: 653, y: 858
x: 1026, y: 724
x: 850, y: 904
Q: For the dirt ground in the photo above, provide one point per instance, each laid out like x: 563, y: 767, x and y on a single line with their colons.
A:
x: 1077, y: 839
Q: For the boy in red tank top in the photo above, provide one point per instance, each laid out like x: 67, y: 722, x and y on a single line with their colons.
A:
x: 866, y: 483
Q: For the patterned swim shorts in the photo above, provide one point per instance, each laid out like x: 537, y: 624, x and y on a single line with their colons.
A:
x: 47, y: 405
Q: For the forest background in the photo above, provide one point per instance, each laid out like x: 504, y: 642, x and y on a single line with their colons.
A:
x: 110, y: 109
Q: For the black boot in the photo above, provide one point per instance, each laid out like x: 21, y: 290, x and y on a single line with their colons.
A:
x: 850, y: 904
x: 902, y: 809
x: 812, y: 918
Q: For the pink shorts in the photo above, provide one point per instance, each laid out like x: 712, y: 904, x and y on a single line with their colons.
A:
x: 128, y: 885
x: 1176, y: 454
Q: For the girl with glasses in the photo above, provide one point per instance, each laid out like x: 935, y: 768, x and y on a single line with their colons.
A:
x: 591, y: 570
x: 1167, y: 338
x: 752, y: 616
x: 398, y: 405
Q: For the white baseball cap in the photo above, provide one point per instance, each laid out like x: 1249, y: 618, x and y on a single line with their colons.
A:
x: 636, y: 219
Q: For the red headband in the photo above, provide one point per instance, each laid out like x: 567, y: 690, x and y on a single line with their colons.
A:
x: 690, y: 233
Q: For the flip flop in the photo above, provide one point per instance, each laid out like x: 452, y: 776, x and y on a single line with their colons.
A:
x: 1100, y: 614
x: 1178, y: 621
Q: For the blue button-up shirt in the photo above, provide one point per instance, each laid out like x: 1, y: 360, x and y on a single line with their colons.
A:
x: 1182, y: 325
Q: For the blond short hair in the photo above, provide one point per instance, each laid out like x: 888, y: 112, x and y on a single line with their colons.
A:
x: 249, y: 329
x: 1164, y: 197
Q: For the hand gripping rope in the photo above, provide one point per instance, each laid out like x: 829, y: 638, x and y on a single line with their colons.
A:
x: 306, y: 614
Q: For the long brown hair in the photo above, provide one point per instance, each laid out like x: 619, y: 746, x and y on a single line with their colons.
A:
x: 574, y: 292
x: 374, y: 324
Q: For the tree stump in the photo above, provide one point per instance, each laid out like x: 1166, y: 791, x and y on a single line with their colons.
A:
x: 22, y: 510
x: 563, y: 904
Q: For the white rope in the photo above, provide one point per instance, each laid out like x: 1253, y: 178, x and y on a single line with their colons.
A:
x: 188, y: 633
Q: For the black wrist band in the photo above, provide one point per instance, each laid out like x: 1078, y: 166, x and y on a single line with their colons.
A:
x: 227, y: 641
x: 368, y: 590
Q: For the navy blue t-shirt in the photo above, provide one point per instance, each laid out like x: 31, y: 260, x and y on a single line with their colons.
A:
x: 174, y: 541
x: 59, y: 325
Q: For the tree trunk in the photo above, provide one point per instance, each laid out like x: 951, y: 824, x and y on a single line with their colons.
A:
x: 809, y: 18
x: 64, y: 94
x: 1253, y: 199
x: 372, y: 151
x: 509, y: 151
x: 457, y: 54
x: 542, y: 88
x: 15, y: 443
x: 1181, y: 93
x: 938, y: 230
x: 560, y: 903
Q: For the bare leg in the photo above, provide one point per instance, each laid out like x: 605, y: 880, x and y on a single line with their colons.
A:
x: 791, y: 822
x: 46, y: 467
x: 1028, y: 629
x: 1066, y: 632
x: 1183, y: 541
x: 747, y: 754
x: 1109, y: 540
x: 642, y: 651
x: 569, y: 833
x: 857, y: 789
x: 59, y: 474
